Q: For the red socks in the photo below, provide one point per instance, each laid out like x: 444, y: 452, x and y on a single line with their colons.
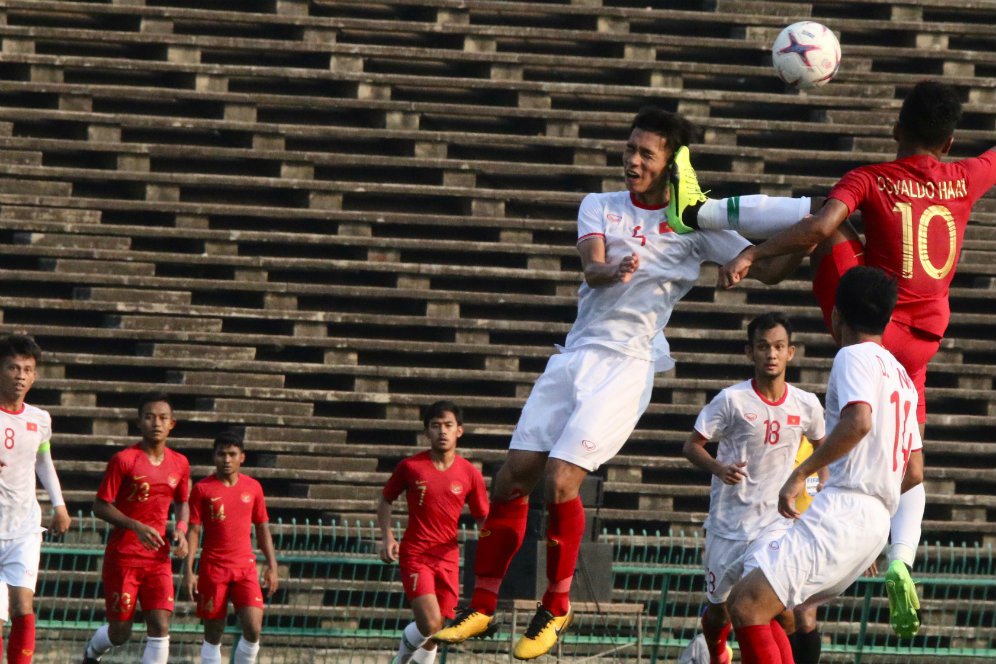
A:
x: 564, y: 533
x: 758, y: 646
x: 716, y: 638
x: 21, y: 645
x: 499, y: 539
x: 782, y: 641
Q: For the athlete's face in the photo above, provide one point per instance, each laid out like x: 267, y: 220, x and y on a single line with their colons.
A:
x: 770, y: 351
x: 156, y: 421
x: 443, y: 432
x: 17, y: 375
x: 228, y: 460
x: 645, y: 166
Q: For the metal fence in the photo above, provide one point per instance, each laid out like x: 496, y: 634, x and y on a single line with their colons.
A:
x: 339, y: 603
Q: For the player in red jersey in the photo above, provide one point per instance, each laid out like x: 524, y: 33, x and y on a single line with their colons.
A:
x: 140, y: 483
x: 226, y: 505
x: 915, y: 210
x: 26, y: 452
x: 437, y: 483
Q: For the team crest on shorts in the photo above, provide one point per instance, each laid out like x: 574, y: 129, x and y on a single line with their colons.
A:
x: 172, y: 480
x: 773, y: 546
x: 246, y: 498
x: 456, y: 488
x: 588, y: 445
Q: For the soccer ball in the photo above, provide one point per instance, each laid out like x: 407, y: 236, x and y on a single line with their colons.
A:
x: 806, y: 55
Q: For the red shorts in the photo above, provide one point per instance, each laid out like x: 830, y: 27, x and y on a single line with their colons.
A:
x: 152, y: 585
x: 912, y: 347
x: 216, y: 584
x: 432, y: 576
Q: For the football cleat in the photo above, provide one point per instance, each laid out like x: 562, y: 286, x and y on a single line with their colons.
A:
x: 543, y: 632
x: 904, y: 605
x: 684, y: 189
x: 86, y: 657
x: 468, y: 624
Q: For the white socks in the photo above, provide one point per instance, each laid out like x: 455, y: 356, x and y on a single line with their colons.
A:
x: 423, y: 656
x: 156, y: 650
x: 906, y: 525
x: 755, y: 217
x: 210, y: 653
x: 246, y: 651
x: 411, y: 640
x: 100, y: 643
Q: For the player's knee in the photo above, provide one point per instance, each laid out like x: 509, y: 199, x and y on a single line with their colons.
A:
x: 805, y: 621
x: 716, y: 615
x: 563, y: 480
x: 157, y: 623
x: 213, y: 631
x: 787, y: 620
x: 252, y: 632
x: 118, y: 632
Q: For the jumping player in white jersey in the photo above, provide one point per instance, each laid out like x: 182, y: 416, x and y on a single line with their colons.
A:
x: 871, y: 419
x: 26, y: 452
x: 759, y: 424
x: 589, y: 398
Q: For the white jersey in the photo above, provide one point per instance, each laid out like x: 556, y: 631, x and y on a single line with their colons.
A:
x: 22, y: 436
x: 630, y: 317
x: 766, y: 434
x: 868, y: 373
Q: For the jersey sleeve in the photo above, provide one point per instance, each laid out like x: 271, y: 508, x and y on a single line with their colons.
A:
x: 259, y: 514
x: 109, y: 486
x: 195, y: 505
x: 591, y: 221
x: 851, y: 189
x: 478, y: 498
x: 182, y: 492
x: 720, y: 247
x: 396, y: 484
x: 856, y: 380
x: 817, y: 423
x: 712, y: 420
x: 980, y: 173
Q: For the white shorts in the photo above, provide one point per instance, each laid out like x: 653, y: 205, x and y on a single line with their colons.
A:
x: 585, y: 406
x: 832, y: 544
x: 724, y: 559
x: 19, y: 560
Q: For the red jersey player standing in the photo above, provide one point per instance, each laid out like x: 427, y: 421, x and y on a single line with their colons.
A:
x: 437, y: 484
x: 915, y: 210
x: 25, y: 452
x: 140, y: 483
x: 226, y: 505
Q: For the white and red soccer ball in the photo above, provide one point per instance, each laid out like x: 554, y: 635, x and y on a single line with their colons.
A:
x: 806, y: 55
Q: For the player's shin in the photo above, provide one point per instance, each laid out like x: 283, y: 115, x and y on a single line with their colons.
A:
x: 99, y: 643
x: 755, y: 217
x: 210, y: 653
x: 411, y: 640
x: 757, y: 645
x: 156, y: 650
x: 906, y: 525
x: 246, y: 652
x: 806, y: 647
x: 782, y: 642
x: 564, y: 534
x: 716, y: 638
x: 500, y: 538
x: 21, y: 642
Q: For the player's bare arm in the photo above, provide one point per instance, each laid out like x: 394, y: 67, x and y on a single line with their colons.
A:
x: 271, y: 576
x: 855, y: 423
x: 695, y: 451
x: 180, y: 545
x: 597, y: 272
x: 150, y: 538
x: 388, y: 543
x: 189, y: 582
x: 802, y: 237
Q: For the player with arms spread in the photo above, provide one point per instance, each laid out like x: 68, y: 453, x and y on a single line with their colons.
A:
x: 871, y: 424
x: 759, y: 424
x: 436, y: 483
x: 226, y: 505
x: 915, y: 210
x: 25, y: 453
x: 134, y: 497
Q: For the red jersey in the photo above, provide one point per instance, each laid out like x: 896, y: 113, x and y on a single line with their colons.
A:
x: 435, y: 500
x: 226, y: 514
x: 143, y: 492
x: 915, y: 211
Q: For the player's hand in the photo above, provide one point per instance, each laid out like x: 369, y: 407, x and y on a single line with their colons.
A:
x: 180, y: 548
x: 389, y: 550
x: 872, y: 571
x: 794, y: 486
x: 60, y: 521
x: 149, y: 536
x: 736, y: 270
x: 627, y: 266
x: 271, y: 580
x: 734, y: 473
x: 189, y: 584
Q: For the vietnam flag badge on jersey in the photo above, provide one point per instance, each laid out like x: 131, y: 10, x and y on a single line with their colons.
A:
x: 793, y: 419
x: 32, y: 426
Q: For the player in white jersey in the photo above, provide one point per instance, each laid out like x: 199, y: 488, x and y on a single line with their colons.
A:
x: 871, y: 419
x: 589, y: 398
x: 25, y: 452
x: 759, y: 424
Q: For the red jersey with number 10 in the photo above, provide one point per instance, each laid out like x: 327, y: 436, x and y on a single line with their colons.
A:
x: 143, y: 491
x: 226, y: 514
x: 435, y: 500
x: 915, y: 210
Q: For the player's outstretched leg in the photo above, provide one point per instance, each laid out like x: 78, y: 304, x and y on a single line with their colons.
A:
x: 904, y: 605
x: 542, y: 634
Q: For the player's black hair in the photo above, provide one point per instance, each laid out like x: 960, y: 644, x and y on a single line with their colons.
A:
x: 675, y: 129
x: 930, y: 113
x: 439, y: 409
x: 231, y: 437
x: 765, y: 322
x: 153, y: 396
x: 865, y: 299
x: 19, y: 345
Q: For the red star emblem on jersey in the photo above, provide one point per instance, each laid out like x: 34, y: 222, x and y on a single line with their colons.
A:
x: 802, y: 50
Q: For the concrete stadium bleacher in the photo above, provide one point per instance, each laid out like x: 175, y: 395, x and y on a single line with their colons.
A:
x: 312, y: 218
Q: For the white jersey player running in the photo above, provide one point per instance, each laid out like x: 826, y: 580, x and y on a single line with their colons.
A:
x: 871, y: 419
x: 759, y: 424
x: 24, y: 452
